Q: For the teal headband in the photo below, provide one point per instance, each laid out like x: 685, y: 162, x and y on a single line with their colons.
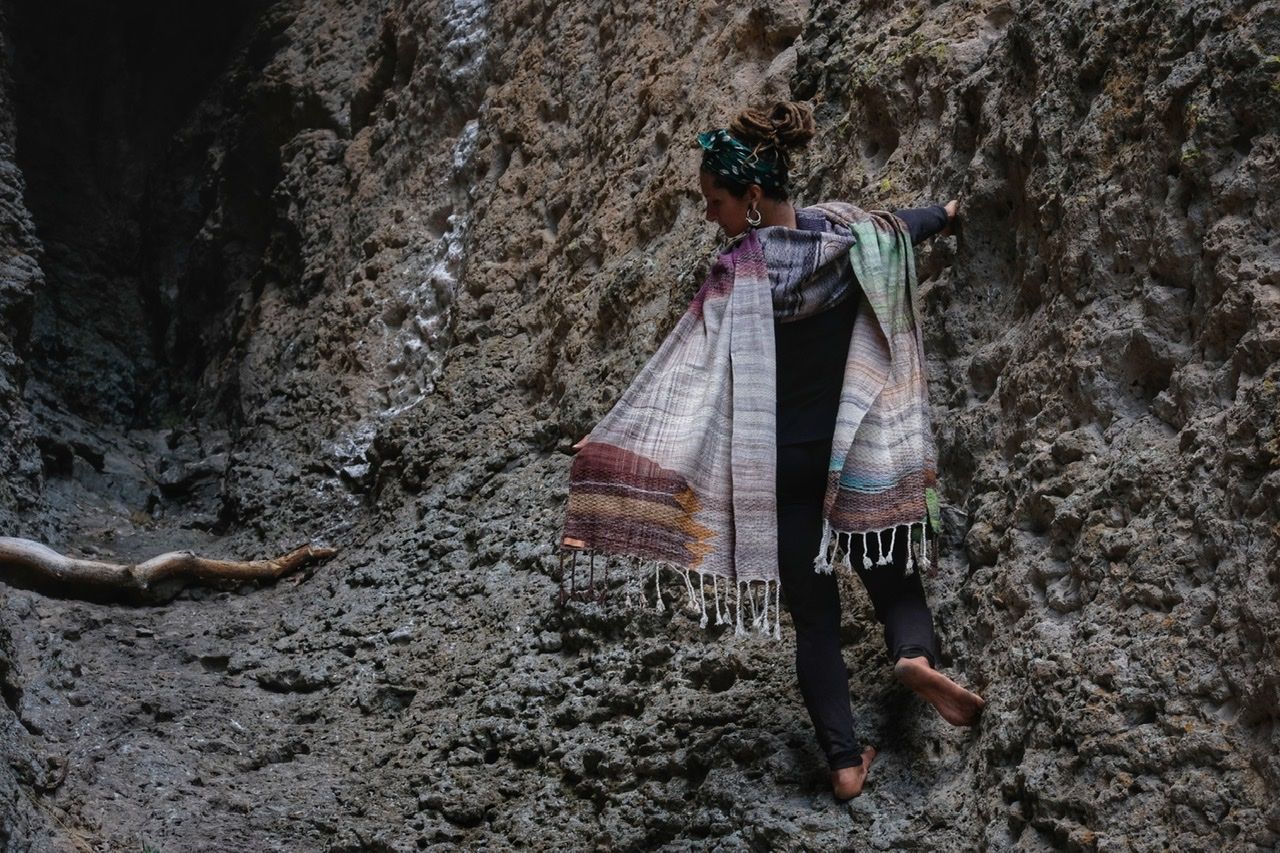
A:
x: 728, y: 157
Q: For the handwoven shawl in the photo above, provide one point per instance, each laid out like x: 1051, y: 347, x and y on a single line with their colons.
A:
x: 682, y: 471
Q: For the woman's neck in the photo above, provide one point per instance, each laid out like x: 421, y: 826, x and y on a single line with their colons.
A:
x: 777, y: 213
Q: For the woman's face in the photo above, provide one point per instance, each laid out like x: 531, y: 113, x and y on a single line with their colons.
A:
x: 723, y: 208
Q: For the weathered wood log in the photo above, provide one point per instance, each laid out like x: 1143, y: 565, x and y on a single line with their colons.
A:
x: 158, y: 578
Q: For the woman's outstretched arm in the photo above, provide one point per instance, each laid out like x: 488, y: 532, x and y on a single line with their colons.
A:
x: 924, y: 222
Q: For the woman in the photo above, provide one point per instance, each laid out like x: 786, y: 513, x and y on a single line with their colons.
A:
x: 783, y: 429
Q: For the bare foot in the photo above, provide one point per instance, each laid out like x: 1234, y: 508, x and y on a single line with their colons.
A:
x: 958, y: 706
x: 847, y: 782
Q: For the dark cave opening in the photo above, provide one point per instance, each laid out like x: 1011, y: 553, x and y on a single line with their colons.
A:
x: 117, y: 106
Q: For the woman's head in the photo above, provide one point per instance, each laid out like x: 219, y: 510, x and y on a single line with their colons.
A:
x: 749, y: 163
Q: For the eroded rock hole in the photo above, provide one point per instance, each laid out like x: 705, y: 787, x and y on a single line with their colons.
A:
x: 881, y: 137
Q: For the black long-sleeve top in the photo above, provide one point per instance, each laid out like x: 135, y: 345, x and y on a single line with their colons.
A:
x: 811, y: 353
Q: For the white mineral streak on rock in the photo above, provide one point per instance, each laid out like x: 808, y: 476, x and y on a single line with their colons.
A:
x: 420, y: 339
x: 468, y: 35
x: 465, y: 149
x: 415, y: 323
x: 348, y: 450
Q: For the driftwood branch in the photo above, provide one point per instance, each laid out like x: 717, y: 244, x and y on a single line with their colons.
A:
x: 158, y: 578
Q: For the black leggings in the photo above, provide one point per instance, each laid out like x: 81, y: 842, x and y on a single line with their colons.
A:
x: 813, y: 600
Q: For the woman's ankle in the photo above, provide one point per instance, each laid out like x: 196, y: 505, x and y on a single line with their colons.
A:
x: 847, y: 782
x: 915, y: 655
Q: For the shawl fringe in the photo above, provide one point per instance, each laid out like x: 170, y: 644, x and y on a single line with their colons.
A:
x: 837, y: 548
x: 749, y: 606
x: 753, y: 606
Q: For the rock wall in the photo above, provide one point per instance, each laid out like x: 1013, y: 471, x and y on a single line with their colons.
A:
x: 405, y: 253
x: 20, y: 278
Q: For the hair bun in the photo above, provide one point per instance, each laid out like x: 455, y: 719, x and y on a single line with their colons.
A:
x: 786, y: 125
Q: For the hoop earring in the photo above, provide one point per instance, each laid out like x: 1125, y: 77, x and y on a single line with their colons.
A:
x: 753, y: 217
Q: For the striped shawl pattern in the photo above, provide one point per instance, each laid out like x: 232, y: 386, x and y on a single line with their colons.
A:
x: 681, y: 472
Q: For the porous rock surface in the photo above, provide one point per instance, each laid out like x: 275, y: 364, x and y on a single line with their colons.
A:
x: 360, y: 273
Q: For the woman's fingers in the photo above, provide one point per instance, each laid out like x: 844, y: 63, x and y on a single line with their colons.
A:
x: 953, y: 209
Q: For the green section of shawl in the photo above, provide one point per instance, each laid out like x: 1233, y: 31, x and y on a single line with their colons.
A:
x: 883, y: 446
x: 878, y: 257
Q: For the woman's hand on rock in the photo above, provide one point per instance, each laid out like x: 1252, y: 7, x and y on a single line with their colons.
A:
x: 953, y: 210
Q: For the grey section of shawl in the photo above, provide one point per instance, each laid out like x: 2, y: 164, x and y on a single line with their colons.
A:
x: 809, y: 270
